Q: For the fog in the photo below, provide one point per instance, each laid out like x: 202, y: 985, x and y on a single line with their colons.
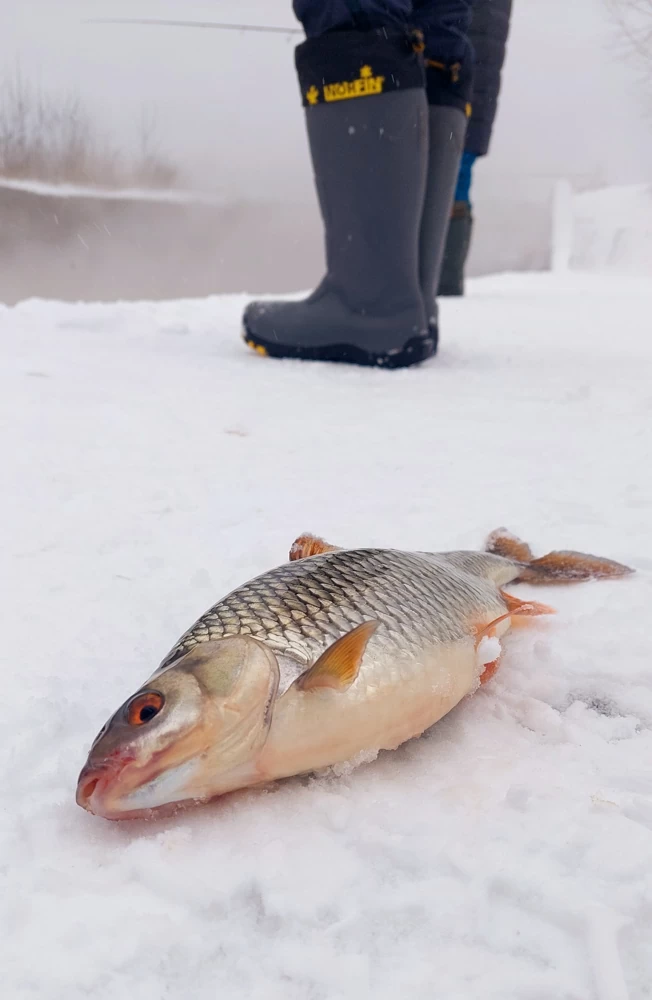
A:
x: 228, y: 113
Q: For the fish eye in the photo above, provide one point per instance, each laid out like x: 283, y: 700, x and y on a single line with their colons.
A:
x: 143, y: 707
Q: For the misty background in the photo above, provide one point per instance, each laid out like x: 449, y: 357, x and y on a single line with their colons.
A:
x: 222, y: 110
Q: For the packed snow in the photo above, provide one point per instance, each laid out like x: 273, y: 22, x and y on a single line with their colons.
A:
x: 151, y: 463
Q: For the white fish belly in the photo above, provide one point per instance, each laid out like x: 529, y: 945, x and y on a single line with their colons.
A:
x: 385, y: 706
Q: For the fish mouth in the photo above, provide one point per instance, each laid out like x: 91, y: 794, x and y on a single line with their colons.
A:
x: 99, y: 804
x: 91, y: 788
x: 95, y: 783
x: 105, y: 788
x: 94, y: 795
x: 87, y: 787
x: 108, y: 789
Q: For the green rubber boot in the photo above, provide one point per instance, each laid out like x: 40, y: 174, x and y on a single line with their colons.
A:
x: 458, y: 241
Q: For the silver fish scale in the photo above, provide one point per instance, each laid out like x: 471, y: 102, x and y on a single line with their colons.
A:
x: 300, y: 608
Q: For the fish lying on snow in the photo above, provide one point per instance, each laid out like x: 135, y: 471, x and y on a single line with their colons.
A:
x: 337, y: 653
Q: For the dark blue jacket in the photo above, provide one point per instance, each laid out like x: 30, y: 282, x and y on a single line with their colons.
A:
x: 489, y: 30
x: 445, y: 27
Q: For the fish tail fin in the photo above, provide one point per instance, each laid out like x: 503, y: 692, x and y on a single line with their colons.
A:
x: 556, y: 567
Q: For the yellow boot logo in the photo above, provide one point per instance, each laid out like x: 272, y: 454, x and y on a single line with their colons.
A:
x: 365, y: 85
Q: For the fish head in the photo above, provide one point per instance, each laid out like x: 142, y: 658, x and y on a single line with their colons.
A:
x: 192, y: 731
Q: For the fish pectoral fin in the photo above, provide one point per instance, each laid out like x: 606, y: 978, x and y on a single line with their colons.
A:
x: 338, y: 666
x: 309, y: 545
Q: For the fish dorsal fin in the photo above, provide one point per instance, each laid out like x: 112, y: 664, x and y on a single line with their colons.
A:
x: 502, y: 542
x: 309, y: 545
x: 338, y: 666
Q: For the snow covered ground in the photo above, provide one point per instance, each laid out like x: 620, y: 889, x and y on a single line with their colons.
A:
x: 150, y: 464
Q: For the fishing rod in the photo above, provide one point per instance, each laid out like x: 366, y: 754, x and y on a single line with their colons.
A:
x: 220, y: 26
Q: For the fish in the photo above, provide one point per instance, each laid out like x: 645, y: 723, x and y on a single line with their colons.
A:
x: 331, y: 657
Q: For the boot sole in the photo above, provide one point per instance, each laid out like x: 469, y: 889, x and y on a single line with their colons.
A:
x: 414, y: 352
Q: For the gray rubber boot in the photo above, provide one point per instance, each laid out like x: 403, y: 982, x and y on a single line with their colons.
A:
x: 456, y: 250
x: 447, y: 127
x: 368, y: 144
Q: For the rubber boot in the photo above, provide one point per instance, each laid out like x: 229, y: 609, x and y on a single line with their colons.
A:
x: 458, y: 241
x: 366, y: 118
x: 447, y: 127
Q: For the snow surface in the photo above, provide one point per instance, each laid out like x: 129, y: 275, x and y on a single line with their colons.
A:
x: 150, y: 464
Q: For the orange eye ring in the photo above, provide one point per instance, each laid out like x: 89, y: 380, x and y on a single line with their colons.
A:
x: 143, y: 707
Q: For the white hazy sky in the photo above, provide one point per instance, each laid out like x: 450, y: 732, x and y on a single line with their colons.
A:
x: 228, y: 109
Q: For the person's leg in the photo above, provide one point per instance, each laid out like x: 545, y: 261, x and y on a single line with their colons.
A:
x: 449, y: 73
x: 362, y: 85
x: 488, y: 34
x: 463, y: 185
x: 460, y: 228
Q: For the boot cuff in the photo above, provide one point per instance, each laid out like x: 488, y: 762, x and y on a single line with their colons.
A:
x: 450, y: 86
x: 345, y: 65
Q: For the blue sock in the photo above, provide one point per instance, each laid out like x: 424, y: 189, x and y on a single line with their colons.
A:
x: 463, y: 189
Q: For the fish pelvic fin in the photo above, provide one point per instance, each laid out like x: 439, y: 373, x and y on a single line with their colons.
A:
x: 556, y: 567
x: 309, y: 545
x: 339, y: 665
x: 516, y: 610
x: 489, y: 670
x: 520, y: 608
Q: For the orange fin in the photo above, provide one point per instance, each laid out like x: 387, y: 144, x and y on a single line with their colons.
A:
x: 480, y: 631
x: 489, y: 670
x: 571, y: 567
x: 531, y: 608
x: 309, y: 545
x: 502, y: 542
x: 556, y: 567
x: 517, y: 609
x: 338, y: 666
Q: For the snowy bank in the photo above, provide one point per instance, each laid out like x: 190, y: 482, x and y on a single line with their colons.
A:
x: 612, y: 230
